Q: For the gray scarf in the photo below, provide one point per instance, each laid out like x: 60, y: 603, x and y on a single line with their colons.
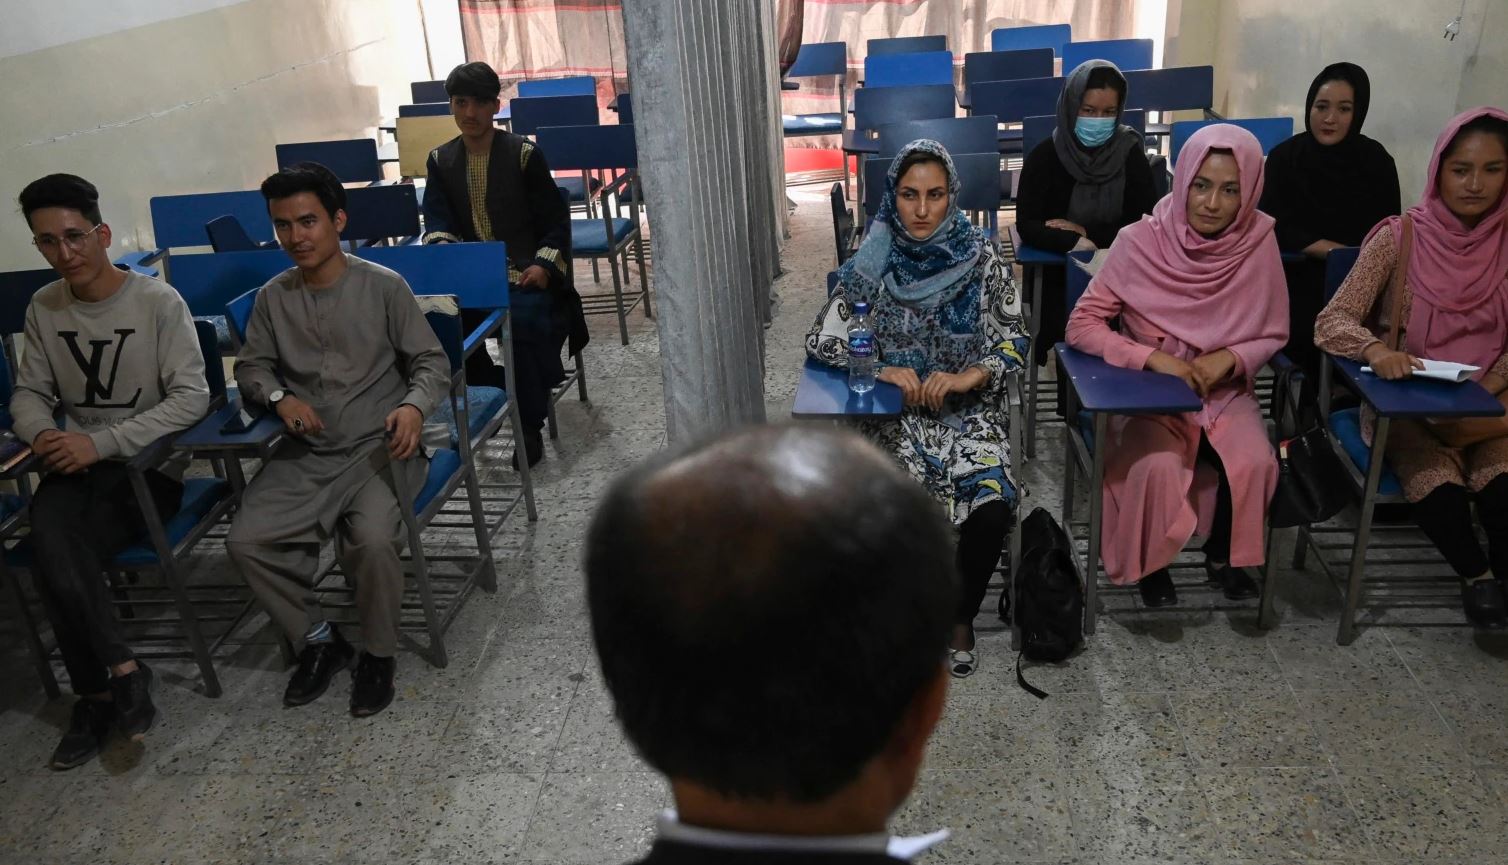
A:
x: 1099, y: 174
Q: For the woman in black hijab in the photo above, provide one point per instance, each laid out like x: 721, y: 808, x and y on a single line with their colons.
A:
x: 1326, y: 187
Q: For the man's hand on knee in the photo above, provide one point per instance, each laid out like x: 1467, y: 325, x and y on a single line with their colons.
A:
x: 404, y: 424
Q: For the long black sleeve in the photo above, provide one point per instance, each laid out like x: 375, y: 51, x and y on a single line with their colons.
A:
x: 551, y: 215
x: 1043, y: 195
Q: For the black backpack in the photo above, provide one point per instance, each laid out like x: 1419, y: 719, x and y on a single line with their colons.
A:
x: 1049, y: 595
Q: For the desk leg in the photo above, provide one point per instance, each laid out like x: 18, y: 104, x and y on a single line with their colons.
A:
x: 1096, y: 513
x: 1034, y: 280
x: 1347, y: 631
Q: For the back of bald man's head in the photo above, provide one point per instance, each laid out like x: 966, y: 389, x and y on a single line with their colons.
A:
x: 766, y: 605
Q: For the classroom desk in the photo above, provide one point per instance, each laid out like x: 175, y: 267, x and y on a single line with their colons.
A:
x: 1033, y: 263
x: 823, y: 393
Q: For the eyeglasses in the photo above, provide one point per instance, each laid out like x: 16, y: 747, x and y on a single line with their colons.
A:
x: 49, y: 245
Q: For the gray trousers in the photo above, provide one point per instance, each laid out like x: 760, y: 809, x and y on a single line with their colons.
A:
x: 368, y: 539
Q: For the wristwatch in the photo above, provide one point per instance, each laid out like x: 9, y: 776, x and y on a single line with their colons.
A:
x: 276, y: 397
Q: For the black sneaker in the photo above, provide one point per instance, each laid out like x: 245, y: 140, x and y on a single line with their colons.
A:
x: 1157, y: 589
x: 87, y: 730
x: 372, y: 685
x: 317, y: 665
x: 534, y: 449
x: 1485, y: 604
x: 134, y: 712
x: 1236, y: 583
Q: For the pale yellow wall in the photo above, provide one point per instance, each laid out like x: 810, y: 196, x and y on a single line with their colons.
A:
x: 1266, y: 52
x: 196, y: 103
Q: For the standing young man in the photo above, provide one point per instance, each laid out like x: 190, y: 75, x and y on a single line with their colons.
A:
x: 338, y: 347
x: 486, y: 184
x: 117, y: 352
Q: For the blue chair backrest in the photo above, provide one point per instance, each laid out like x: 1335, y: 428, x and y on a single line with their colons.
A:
x: 209, y: 281
x: 978, y: 177
x: 1338, y: 264
x: 958, y: 134
x: 428, y: 91
x: 1270, y: 131
x: 1128, y: 54
x: 227, y: 235
x: 1053, y: 36
x: 376, y: 212
x: 575, y: 85
x: 1078, y: 278
x: 531, y: 113
x: 584, y: 148
x: 818, y: 58
x: 907, y: 70
x: 424, y: 109
x: 876, y: 107
x: 354, y: 160
x: 1013, y: 101
x: 626, y: 108
x: 16, y: 289
x: 1035, y: 130
x: 475, y: 273
x: 1181, y: 88
x: 905, y: 45
x: 1007, y: 65
x: 179, y: 220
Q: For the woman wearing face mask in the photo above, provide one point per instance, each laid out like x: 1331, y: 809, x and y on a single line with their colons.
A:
x: 1079, y: 188
x: 1198, y: 288
x: 947, y: 330
x: 1454, y: 307
x: 1326, y: 187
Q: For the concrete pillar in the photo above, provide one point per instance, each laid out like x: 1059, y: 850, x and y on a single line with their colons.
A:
x: 706, y: 111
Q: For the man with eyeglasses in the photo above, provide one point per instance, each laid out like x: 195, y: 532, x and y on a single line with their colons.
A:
x: 117, y: 353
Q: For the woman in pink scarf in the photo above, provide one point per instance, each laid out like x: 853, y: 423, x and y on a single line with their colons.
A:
x: 1199, y: 289
x: 1455, y: 307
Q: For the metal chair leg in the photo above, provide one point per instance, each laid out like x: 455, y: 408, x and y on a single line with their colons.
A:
x: 1347, y: 632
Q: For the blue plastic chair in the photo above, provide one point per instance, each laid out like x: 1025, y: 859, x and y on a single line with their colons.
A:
x: 354, y: 160
x: 605, y: 148
x: 1270, y: 131
x: 575, y: 85
x: 1127, y: 54
x: 428, y: 91
x: 1371, y: 481
x: 908, y: 70
x: 812, y: 61
x: 1053, y: 36
x: 904, y: 45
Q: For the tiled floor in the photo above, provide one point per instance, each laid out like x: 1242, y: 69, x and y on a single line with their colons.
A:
x: 1185, y: 737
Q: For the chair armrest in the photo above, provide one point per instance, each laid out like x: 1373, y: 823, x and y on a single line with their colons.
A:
x: 487, y: 328
x: 208, y: 438
x: 1417, y: 397
x: 1106, y: 389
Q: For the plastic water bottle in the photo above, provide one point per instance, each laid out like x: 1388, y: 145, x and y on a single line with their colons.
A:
x: 860, y: 350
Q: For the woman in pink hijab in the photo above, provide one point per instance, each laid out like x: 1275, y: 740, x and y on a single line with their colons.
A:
x: 1455, y: 307
x: 1198, y: 287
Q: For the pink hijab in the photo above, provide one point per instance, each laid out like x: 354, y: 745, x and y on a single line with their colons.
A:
x: 1206, y: 293
x: 1460, y: 308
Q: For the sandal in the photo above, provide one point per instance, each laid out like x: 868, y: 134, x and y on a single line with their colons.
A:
x: 963, y: 663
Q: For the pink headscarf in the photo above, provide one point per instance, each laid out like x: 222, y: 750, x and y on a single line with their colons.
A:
x: 1460, y: 308
x: 1206, y: 293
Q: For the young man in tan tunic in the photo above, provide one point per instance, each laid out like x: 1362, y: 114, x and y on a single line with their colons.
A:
x: 339, y: 348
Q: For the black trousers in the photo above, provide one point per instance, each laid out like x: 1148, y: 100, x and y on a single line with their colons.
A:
x: 1445, y: 516
x: 78, y: 523
x: 537, y: 367
x: 980, y: 540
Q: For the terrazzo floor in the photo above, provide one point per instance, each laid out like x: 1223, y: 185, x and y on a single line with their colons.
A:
x: 1188, y: 736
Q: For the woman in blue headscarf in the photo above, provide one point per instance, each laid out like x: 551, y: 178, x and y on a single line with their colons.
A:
x: 948, y: 329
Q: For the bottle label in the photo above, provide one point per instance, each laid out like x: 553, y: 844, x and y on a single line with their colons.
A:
x: 861, y: 346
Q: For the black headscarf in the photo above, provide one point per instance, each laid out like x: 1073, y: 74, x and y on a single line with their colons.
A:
x: 1331, y: 192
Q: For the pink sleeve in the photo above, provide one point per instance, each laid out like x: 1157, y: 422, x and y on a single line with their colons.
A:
x: 1089, y: 330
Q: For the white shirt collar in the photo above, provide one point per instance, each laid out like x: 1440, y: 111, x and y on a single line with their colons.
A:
x: 672, y: 829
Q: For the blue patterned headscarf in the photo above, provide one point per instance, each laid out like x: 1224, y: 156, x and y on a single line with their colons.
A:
x: 922, y: 272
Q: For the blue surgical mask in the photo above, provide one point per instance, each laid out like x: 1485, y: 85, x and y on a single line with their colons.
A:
x: 1093, y: 131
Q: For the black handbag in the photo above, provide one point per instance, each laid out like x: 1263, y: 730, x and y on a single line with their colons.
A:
x: 1312, y: 482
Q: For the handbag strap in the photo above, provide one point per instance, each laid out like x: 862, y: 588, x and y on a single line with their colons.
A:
x: 1400, y: 273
